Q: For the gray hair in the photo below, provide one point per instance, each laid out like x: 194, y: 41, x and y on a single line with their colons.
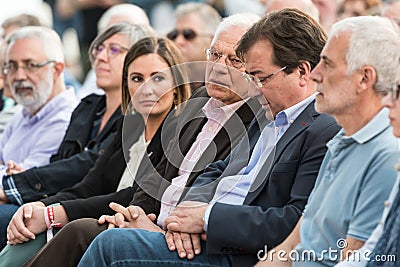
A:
x: 207, y: 14
x: 52, y: 45
x: 131, y: 13
x: 134, y: 32
x: 21, y: 20
x: 241, y: 21
x: 374, y: 41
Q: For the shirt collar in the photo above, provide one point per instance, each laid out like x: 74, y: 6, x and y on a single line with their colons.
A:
x: 378, y: 124
x: 214, y: 107
x: 294, y: 111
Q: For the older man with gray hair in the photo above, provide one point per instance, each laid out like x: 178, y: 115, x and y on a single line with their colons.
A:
x: 33, y: 69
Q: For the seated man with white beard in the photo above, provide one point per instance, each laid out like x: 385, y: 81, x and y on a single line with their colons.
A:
x: 33, y: 69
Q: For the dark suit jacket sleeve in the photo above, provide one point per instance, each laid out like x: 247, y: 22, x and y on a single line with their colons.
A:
x: 250, y: 228
x: 38, y: 183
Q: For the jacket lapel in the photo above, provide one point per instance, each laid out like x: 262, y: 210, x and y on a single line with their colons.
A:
x: 182, y: 144
x: 302, y: 122
x: 227, y: 138
x: 131, y: 129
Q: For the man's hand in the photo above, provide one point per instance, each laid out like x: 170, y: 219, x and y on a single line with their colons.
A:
x: 187, y: 217
x: 186, y: 245
x: 26, y: 222
x: 13, y: 168
x: 131, y: 217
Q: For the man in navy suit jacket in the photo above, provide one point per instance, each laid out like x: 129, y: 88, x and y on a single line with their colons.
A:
x: 255, y: 197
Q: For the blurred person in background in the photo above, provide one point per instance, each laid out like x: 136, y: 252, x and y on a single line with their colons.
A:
x: 7, y: 103
x: 306, y: 6
x: 354, y: 8
x: 195, y: 27
x: 391, y: 10
x: 327, y: 12
x: 90, y: 12
x: 119, y: 13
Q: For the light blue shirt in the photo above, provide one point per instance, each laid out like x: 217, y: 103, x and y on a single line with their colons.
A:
x: 233, y: 189
x: 30, y: 141
x: 355, y: 178
x: 361, y: 257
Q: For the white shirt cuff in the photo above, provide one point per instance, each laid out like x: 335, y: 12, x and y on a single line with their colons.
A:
x: 206, y: 216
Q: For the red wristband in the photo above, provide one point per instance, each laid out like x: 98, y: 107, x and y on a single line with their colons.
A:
x: 50, y: 214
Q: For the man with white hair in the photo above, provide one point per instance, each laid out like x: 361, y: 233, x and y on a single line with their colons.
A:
x: 358, y: 172
x: 33, y: 69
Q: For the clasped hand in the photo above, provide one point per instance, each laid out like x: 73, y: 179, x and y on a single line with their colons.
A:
x: 26, y: 223
x: 130, y: 217
x: 185, y: 229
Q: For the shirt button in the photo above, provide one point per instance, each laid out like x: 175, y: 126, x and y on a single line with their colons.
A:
x: 386, y: 203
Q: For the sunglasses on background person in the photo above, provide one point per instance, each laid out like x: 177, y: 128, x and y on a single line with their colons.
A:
x: 188, y: 34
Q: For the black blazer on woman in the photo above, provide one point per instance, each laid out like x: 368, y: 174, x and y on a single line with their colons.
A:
x: 104, y: 177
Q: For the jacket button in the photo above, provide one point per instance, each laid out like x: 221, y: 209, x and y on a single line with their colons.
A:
x: 38, y: 186
x: 101, y: 151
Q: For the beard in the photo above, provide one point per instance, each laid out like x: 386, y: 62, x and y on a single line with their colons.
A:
x: 32, y: 97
